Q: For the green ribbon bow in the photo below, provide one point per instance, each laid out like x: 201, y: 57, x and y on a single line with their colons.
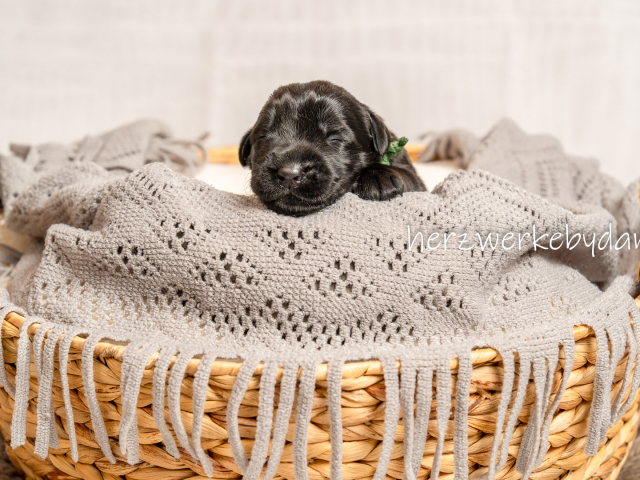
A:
x: 394, y: 149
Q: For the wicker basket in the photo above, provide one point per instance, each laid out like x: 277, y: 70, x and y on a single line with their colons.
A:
x: 363, y: 408
x: 363, y: 402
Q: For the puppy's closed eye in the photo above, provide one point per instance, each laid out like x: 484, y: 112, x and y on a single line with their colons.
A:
x: 313, y: 143
x: 334, y: 137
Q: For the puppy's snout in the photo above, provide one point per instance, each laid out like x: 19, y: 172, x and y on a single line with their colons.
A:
x: 290, y: 175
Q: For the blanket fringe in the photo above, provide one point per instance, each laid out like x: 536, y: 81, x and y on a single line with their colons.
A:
x: 409, y: 388
x: 424, y: 390
x: 461, y: 438
x: 46, y: 427
x: 568, y: 347
x: 63, y: 358
x: 159, y: 382
x: 391, y: 415
x: 283, y: 416
x: 443, y: 397
x: 173, y: 392
x: 233, y: 407
x: 21, y: 396
x: 508, y: 363
x: 133, y: 365
x: 303, y: 418
x: 612, y: 340
x: 265, y: 420
x: 200, y: 384
x: 334, y: 390
x: 92, y: 400
x: 531, y: 441
x: 408, y: 378
x: 632, y: 336
x: 524, y: 372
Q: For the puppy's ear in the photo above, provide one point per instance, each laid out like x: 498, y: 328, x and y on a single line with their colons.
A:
x: 379, y: 133
x: 245, y: 149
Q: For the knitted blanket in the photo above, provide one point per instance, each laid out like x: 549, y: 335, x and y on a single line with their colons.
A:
x: 175, y: 267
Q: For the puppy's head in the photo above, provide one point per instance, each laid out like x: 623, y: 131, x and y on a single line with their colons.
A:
x: 308, y: 146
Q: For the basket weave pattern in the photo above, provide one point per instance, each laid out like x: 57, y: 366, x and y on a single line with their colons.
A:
x: 363, y: 406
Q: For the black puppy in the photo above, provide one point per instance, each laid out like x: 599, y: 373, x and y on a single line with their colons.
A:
x: 313, y: 142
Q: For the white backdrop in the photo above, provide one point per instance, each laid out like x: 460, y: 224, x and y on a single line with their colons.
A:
x: 570, y: 68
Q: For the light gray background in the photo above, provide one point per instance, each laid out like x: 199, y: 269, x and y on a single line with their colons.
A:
x: 570, y: 68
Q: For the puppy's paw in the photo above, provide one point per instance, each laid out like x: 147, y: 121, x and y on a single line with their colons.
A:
x: 380, y: 182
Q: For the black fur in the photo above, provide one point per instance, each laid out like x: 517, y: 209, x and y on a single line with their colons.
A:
x: 332, y: 142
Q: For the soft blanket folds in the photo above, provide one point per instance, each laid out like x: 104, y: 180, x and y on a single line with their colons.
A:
x: 173, y: 266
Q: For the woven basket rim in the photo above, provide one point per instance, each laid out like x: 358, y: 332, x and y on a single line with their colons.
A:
x: 619, y: 443
x: 108, y: 349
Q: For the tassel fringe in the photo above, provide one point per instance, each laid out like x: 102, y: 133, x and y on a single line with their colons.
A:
x: 408, y: 389
x: 159, y: 382
x: 175, y: 382
x: 90, y: 391
x: 303, y: 418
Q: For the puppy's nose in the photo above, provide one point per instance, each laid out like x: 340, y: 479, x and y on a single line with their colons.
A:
x: 290, y: 174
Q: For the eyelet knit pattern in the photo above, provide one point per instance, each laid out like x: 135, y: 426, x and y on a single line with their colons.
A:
x: 174, y: 267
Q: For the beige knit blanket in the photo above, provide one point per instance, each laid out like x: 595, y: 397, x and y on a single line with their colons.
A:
x: 175, y: 267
